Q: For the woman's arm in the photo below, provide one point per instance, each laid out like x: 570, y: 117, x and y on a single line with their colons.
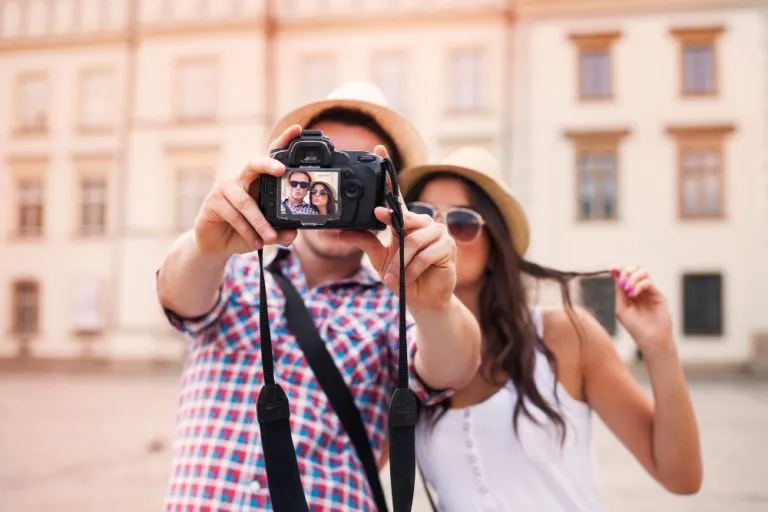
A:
x: 661, y: 433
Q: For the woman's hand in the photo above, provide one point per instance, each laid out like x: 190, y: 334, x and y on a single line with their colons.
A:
x: 642, y: 309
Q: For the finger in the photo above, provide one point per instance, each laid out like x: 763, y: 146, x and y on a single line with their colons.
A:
x: 412, y: 220
x: 285, y: 237
x: 286, y: 137
x: 368, y: 243
x: 257, y: 167
x: 639, y: 288
x: 224, y: 209
x: 439, y: 254
x: 246, y: 205
x: 381, y: 151
x: 636, y: 277
x: 415, y: 242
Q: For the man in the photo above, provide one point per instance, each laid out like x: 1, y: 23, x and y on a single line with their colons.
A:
x: 209, y: 286
x: 294, y: 204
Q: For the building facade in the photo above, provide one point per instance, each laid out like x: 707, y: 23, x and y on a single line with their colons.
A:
x: 632, y: 134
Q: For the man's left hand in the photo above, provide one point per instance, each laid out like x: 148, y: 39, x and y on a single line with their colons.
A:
x: 430, y: 256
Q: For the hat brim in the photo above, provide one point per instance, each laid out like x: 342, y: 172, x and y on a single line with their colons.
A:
x: 403, y: 133
x: 509, y: 207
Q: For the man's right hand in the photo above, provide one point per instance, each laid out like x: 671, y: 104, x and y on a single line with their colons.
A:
x: 230, y: 220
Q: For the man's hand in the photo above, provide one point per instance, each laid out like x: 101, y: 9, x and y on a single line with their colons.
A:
x: 230, y: 220
x: 430, y: 256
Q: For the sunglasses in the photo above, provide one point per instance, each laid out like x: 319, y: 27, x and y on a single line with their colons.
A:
x: 318, y: 192
x: 464, y: 225
x: 302, y: 184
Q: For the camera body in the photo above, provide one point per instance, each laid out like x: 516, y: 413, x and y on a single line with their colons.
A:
x: 323, y: 188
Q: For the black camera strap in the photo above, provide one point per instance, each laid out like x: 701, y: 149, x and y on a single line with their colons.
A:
x: 273, y: 411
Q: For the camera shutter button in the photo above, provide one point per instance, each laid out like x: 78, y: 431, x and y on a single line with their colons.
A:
x: 347, y: 173
x: 366, y: 158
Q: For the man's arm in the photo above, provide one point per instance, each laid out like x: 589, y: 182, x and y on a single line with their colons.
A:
x: 229, y: 222
x: 188, y: 281
x: 447, y: 345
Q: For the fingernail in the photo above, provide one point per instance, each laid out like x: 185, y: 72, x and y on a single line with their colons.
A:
x: 614, y: 272
x: 630, y: 291
x: 623, y: 283
x: 275, y: 166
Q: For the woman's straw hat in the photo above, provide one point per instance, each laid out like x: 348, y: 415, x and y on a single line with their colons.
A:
x: 481, y: 168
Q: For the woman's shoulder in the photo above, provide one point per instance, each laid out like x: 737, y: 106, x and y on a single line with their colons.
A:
x: 570, y: 335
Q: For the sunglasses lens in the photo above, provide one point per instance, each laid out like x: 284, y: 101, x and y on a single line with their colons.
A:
x: 421, y: 209
x: 463, y: 225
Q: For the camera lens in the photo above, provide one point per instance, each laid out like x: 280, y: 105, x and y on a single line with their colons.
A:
x: 353, y: 189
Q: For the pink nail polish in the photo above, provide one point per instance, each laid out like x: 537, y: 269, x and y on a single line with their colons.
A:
x: 630, y: 291
x: 623, y: 283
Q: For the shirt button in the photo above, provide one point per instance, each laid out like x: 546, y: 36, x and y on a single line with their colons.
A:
x: 473, y: 458
x: 476, y: 470
x: 483, y: 489
x: 254, y: 486
x: 469, y: 443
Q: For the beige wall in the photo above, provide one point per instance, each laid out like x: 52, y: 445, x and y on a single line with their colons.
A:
x: 646, y: 102
x: 529, y: 89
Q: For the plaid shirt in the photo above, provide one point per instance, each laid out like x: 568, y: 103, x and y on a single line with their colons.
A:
x: 218, y: 462
x: 299, y: 209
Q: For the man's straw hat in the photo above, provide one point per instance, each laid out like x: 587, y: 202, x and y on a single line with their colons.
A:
x: 369, y: 99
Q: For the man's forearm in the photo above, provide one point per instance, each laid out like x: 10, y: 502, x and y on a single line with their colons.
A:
x: 188, y: 282
x: 448, y: 345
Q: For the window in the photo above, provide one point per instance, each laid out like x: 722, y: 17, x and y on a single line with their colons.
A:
x: 467, y: 80
x: 703, y: 304
x: 701, y: 176
x: 193, y: 184
x: 87, y: 306
x: 599, y: 296
x: 33, y: 103
x: 698, y: 60
x: 93, y: 206
x: 197, y: 90
x: 29, y: 193
x: 390, y: 74
x: 595, y: 66
x: 597, y: 162
x: 26, y: 307
x: 96, y: 99
x: 319, y: 71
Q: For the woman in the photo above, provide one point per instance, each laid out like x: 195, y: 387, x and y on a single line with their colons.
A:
x: 321, y: 197
x: 518, y: 436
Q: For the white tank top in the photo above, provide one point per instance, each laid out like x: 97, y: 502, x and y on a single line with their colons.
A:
x: 474, y: 462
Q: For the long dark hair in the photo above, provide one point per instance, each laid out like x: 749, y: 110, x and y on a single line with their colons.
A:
x: 509, y: 335
x: 331, y: 204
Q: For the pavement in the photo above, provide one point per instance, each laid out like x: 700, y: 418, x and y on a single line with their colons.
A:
x: 101, y: 442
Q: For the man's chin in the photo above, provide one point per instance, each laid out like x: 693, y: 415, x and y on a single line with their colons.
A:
x: 325, y: 243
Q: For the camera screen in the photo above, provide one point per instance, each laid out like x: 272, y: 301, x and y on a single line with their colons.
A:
x: 311, y: 197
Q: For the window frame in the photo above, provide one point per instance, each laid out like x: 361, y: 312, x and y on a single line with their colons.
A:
x: 698, y: 35
x: 15, y: 330
x: 721, y: 331
x: 590, y: 141
x: 595, y: 41
x: 687, y: 137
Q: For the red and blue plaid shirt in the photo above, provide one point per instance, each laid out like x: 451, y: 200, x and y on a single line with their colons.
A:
x: 218, y: 462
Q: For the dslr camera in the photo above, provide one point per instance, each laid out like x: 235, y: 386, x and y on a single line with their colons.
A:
x: 323, y: 188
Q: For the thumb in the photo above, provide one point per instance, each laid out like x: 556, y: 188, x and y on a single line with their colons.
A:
x: 368, y: 243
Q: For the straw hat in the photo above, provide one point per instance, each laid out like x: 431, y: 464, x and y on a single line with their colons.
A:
x: 369, y: 99
x: 481, y: 168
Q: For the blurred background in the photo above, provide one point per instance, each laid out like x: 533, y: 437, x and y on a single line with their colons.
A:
x: 633, y: 131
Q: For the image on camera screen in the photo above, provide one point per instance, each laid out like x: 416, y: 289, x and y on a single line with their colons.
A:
x: 310, y: 197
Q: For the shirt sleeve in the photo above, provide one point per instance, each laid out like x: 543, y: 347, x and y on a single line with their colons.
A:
x: 427, y: 395
x: 200, y: 329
